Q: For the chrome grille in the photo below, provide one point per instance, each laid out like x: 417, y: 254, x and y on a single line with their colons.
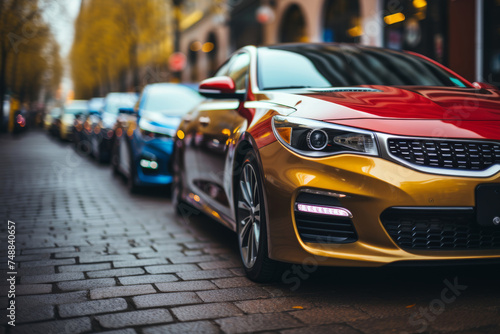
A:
x: 460, y: 155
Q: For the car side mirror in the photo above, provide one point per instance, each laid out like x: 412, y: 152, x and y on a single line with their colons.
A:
x: 484, y: 85
x: 220, y: 88
x: 126, y: 111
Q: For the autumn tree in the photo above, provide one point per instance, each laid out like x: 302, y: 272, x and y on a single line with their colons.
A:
x: 29, y: 55
x: 114, y: 41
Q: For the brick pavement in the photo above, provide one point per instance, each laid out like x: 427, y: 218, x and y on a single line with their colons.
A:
x: 93, y: 258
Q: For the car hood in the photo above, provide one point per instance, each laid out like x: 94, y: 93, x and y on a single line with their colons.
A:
x: 159, y: 123
x: 414, y: 111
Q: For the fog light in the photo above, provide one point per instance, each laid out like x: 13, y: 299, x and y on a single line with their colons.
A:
x: 148, y: 164
x: 324, y: 210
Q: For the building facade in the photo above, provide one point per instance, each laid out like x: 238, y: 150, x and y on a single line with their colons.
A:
x: 204, y: 37
x: 461, y: 34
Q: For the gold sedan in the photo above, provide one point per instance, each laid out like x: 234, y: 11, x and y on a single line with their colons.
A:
x: 340, y: 155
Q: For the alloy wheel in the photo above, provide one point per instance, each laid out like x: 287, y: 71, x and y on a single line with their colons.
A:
x: 115, y: 158
x: 249, y: 216
x: 176, y: 185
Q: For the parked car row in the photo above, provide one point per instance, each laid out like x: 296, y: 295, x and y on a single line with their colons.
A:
x: 327, y: 154
x: 134, y: 133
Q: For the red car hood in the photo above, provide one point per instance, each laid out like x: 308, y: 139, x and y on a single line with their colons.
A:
x: 414, y: 111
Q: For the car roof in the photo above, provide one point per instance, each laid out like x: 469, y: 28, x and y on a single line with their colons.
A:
x: 171, y: 84
x: 117, y: 96
x: 319, y: 46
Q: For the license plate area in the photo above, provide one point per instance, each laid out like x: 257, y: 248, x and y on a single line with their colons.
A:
x: 488, y: 204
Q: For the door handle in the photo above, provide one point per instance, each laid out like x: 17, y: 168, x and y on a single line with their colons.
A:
x: 204, y: 120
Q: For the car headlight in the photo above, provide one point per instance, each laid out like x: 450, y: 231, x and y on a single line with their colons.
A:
x: 319, y: 139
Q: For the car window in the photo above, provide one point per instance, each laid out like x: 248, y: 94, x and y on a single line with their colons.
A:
x: 239, y: 70
x: 341, y: 66
x: 55, y: 112
x: 76, y: 107
x: 170, y: 100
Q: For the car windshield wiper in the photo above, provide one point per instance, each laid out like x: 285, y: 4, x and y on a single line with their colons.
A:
x: 285, y: 87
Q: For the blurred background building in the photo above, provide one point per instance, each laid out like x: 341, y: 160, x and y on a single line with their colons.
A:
x: 126, y: 47
x: 461, y: 34
x: 122, y: 45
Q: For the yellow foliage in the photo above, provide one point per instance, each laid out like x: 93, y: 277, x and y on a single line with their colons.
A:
x: 29, y: 55
x: 115, y: 41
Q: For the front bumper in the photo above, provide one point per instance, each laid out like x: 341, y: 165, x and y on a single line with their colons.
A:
x: 159, y: 151
x: 372, y: 185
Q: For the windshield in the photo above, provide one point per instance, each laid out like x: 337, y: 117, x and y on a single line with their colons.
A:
x: 323, y: 66
x: 76, y: 107
x: 96, y: 104
x: 171, y: 100
x: 55, y: 112
x: 75, y: 111
x: 115, y: 101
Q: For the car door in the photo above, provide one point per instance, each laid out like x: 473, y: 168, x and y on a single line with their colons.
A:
x: 217, y: 122
x: 192, y: 164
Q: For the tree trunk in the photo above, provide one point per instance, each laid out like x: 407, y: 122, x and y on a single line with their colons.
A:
x: 3, y: 86
x: 13, y: 84
x: 134, y: 66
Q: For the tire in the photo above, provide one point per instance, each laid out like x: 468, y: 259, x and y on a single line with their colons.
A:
x: 132, y: 186
x: 101, y: 156
x: 94, y: 151
x: 76, y: 140
x: 251, y: 225
x: 176, y: 187
x: 98, y: 153
x: 83, y: 147
x: 115, y: 158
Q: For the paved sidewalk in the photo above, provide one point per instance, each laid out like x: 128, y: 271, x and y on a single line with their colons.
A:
x: 93, y: 258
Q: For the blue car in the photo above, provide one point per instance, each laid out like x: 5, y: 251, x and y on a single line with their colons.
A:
x: 144, y: 142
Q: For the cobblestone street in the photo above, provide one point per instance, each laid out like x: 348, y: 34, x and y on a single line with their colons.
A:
x: 93, y: 258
